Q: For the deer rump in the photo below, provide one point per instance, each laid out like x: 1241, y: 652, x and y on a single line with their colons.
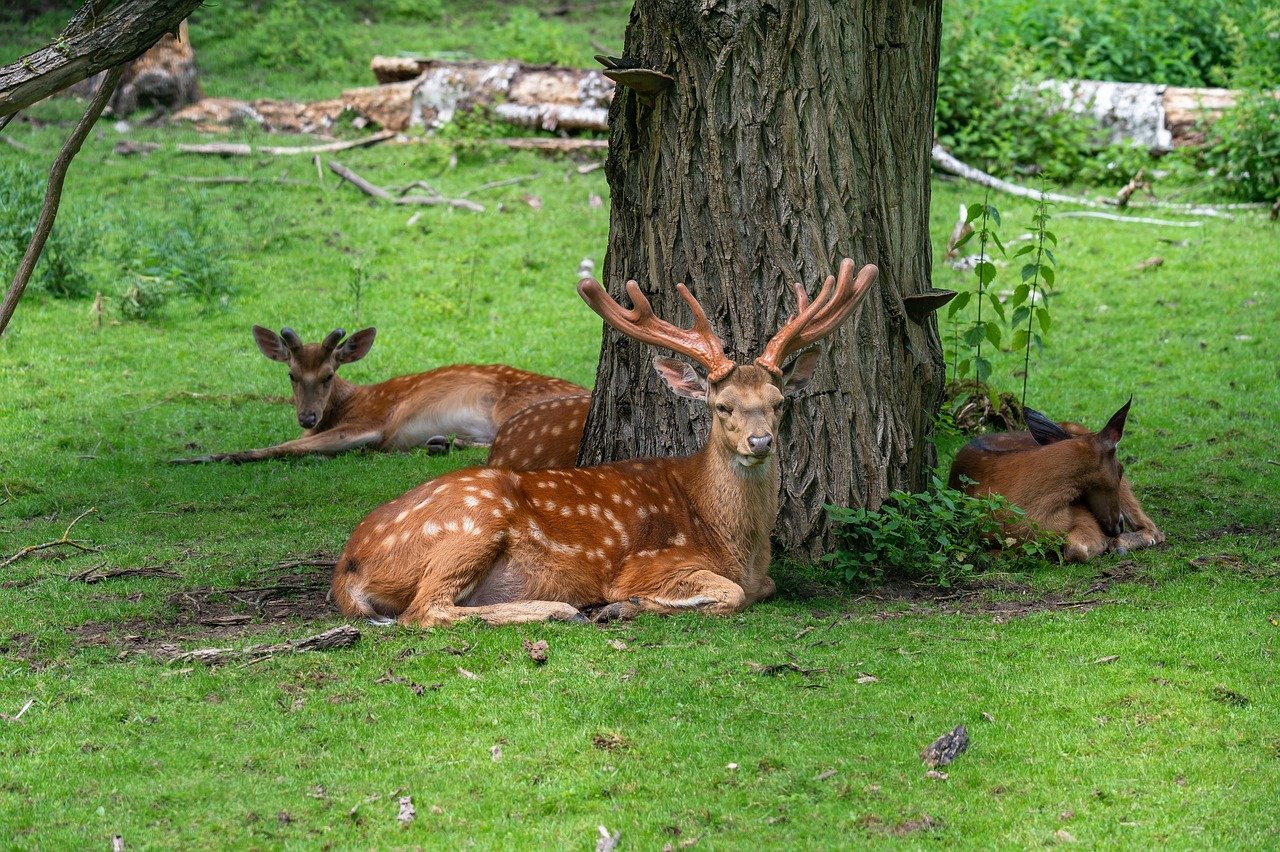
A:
x: 1066, y: 479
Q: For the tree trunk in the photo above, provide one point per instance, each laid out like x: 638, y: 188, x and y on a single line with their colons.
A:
x: 795, y: 134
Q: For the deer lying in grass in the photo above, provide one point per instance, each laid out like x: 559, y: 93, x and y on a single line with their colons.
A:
x: 544, y: 435
x: 661, y: 535
x: 1067, y: 480
x: 467, y: 401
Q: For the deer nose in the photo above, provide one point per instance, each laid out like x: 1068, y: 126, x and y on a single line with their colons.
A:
x: 306, y: 421
x: 760, y: 444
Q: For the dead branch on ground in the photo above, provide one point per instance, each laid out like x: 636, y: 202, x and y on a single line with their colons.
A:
x: 53, y: 195
x: 383, y: 195
x: 65, y: 541
x: 97, y: 575
x: 243, y: 149
x: 338, y: 637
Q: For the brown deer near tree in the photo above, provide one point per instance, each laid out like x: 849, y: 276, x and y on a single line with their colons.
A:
x: 465, y: 403
x: 1065, y: 478
x: 661, y: 535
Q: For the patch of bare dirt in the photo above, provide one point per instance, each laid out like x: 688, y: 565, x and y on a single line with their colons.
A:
x: 218, y: 616
x: 1238, y: 529
x: 998, y: 598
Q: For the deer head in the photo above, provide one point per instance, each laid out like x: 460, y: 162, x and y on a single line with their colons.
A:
x: 746, y: 399
x: 1099, y: 472
x: 312, y: 366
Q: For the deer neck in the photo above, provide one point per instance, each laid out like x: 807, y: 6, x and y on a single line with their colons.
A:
x: 740, y: 504
x: 342, y: 401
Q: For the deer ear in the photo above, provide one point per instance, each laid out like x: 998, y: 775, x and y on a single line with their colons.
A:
x: 800, y: 372
x: 681, y: 378
x: 1114, y: 430
x: 270, y: 344
x: 1044, y: 430
x: 356, y: 346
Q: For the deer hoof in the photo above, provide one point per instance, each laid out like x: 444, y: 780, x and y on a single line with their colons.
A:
x: 381, y: 621
x: 438, y: 445
x: 620, y: 611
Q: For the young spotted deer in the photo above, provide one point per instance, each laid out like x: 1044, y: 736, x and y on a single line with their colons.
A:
x: 543, y: 435
x: 467, y: 401
x: 1066, y: 478
x: 662, y: 535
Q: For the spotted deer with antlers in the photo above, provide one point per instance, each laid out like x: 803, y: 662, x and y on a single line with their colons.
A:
x: 462, y: 404
x: 662, y: 535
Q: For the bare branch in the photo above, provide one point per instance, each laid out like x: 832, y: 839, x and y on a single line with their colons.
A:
x: 93, y: 42
x: 66, y: 540
x: 53, y: 195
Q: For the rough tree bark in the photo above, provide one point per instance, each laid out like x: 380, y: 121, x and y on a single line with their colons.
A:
x: 98, y: 38
x: 796, y: 133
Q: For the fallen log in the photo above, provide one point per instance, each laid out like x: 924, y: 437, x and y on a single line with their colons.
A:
x: 241, y: 149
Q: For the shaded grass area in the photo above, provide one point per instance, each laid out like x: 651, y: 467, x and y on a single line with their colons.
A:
x: 1173, y: 741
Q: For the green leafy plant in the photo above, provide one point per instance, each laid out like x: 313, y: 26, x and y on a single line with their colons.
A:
x: 304, y: 38
x: 1245, y: 149
x: 358, y: 279
x: 1029, y: 302
x: 942, y: 536
x: 143, y: 298
x: 60, y: 271
x: 984, y: 218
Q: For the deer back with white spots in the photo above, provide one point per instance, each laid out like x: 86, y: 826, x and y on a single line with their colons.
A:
x: 662, y: 535
x: 462, y: 403
x: 546, y: 434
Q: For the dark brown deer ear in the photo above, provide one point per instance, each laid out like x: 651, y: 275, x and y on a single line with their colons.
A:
x: 270, y: 344
x: 1044, y: 430
x: 1114, y: 430
x: 356, y: 346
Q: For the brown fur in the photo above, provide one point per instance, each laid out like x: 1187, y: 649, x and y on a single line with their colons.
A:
x: 467, y: 401
x: 662, y: 535
x: 544, y: 435
x: 1073, y: 486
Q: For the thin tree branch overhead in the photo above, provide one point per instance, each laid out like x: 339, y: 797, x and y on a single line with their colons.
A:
x: 92, y: 43
x: 53, y: 195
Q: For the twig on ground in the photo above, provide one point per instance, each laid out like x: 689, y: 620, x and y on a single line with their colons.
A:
x: 383, y: 195
x: 338, y: 637
x: 15, y: 717
x: 241, y: 149
x: 319, y: 560
x: 14, y: 143
x: 97, y: 575
x: 494, y: 184
x: 53, y: 195
x: 64, y: 541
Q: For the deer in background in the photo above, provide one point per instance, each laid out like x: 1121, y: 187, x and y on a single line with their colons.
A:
x: 661, y: 535
x: 1065, y: 478
x: 467, y: 401
x: 546, y: 434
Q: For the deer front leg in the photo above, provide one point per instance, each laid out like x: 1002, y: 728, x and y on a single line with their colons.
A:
x: 328, y: 443
x: 1085, y: 538
x: 697, y: 590
x: 1145, y: 533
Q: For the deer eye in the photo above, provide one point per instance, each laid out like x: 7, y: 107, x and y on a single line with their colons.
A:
x: 327, y: 378
x: 293, y: 378
x: 723, y: 409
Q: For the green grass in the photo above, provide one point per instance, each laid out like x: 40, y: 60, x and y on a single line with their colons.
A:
x: 1148, y: 749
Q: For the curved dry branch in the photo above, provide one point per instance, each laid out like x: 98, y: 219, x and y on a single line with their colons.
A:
x: 53, y: 195
x: 94, y: 41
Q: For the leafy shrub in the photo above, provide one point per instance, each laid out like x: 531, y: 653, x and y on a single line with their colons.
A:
x: 532, y: 38
x: 407, y: 10
x: 990, y: 114
x: 183, y: 259
x: 294, y: 35
x: 941, y: 537
x: 60, y: 271
x: 143, y: 298
x: 1245, y: 147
